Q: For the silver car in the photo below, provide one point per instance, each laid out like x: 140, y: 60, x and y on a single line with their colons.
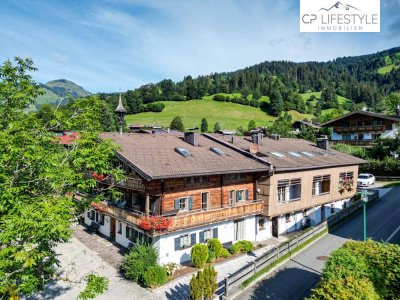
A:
x: 365, y: 179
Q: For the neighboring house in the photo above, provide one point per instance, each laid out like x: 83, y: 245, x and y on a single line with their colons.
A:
x: 229, y: 187
x: 363, y: 127
x: 67, y: 138
x: 307, y: 179
x: 298, y: 125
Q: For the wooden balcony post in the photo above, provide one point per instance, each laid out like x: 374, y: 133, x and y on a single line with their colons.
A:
x: 147, y: 205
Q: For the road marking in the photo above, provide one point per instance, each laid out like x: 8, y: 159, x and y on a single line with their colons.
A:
x: 392, y: 235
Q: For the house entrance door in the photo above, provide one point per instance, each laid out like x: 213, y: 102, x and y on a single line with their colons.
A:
x: 238, y: 229
x: 275, y: 227
x: 112, y: 228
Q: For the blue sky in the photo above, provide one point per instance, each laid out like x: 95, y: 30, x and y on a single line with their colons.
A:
x: 107, y: 45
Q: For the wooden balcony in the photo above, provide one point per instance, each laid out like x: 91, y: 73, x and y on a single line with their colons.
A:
x: 354, y: 142
x: 216, y: 215
x: 129, y: 183
x: 122, y: 214
x: 368, y: 128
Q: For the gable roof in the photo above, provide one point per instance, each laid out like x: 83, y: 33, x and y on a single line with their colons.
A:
x: 307, y: 123
x: 366, y: 113
x: 287, y: 154
x: 155, y: 156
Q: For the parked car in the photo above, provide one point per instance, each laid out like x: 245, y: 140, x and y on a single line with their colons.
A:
x: 365, y: 179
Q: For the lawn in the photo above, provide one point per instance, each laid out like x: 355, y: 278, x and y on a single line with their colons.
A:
x: 386, y: 69
x: 230, y: 115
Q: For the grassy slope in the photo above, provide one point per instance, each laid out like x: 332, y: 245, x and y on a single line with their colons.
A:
x: 390, y: 65
x: 307, y: 96
x: 230, y: 115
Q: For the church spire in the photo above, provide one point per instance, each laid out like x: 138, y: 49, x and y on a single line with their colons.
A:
x: 121, y: 112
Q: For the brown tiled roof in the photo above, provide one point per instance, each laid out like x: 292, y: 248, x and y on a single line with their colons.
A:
x: 320, y: 159
x: 154, y: 156
x: 362, y: 112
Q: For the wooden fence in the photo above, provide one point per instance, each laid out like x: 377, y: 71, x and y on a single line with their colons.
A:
x: 231, y: 285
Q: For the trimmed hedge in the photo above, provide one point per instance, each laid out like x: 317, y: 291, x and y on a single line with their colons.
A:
x: 387, y: 167
x: 361, y: 270
x: 241, y: 246
x: 199, y: 255
x: 215, y: 246
x: 155, y: 276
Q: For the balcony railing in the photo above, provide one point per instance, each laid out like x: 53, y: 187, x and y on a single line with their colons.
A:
x: 130, y: 183
x: 123, y: 215
x: 216, y: 215
x: 191, y: 219
x: 367, y: 128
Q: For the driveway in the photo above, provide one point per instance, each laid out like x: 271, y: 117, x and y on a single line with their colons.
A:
x: 295, y: 278
x: 77, y: 261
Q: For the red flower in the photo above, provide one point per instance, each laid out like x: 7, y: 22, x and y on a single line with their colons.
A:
x: 157, y: 223
x: 99, y: 206
x: 98, y: 177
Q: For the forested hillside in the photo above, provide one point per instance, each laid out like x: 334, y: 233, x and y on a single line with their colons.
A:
x: 364, y: 80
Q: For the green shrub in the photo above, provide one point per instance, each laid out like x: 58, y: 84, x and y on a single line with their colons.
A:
x: 199, y: 255
x: 234, y: 249
x: 361, y: 270
x: 155, y: 276
x: 211, y: 256
x: 138, y: 260
x: 96, y: 285
x: 225, y: 253
x: 241, y: 246
x: 215, y: 246
x: 204, y: 284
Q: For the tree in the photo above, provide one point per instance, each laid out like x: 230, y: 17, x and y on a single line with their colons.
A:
x: 204, y: 284
x: 282, y: 126
x: 252, y: 125
x: 276, y: 103
x: 391, y: 102
x: 217, y: 126
x: 204, y: 125
x: 36, y: 176
x: 177, y: 124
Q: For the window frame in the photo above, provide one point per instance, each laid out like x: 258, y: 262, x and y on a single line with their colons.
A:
x: 321, y: 179
x: 119, y: 231
x: 186, y: 203
x: 284, y: 190
x: 184, y: 241
x: 207, y: 202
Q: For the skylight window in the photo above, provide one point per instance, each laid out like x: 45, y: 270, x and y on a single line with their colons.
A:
x: 294, y: 153
x: 218, y: 151
x: 182, y: 151
x: 307, y: 153
x: 277, y: 154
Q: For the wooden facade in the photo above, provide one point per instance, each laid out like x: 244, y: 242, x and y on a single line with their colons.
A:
x: 268, y: 190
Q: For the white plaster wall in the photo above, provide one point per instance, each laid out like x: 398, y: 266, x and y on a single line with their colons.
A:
x: 292, y: 225
x: 105, y: 229
x: 250, y: 228
x: 120, y: 238
x: 166, y: 243
x: 315, y: 215
x: 265, y: 233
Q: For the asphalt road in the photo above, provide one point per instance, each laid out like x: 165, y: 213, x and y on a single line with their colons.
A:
x: 295, y: 279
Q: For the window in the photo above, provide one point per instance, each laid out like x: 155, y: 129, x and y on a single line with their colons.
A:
x: 236, y: 176
x: 204, y: 200
x: 321, y: 185
x: 346, y: 179
x: 240, y: 196
x: 289, y: 190
x: 218, y: 151
x: 295, y: 154
x: 196, y: 180
x: 261, y: 224
x: 375, y: 136
x: 231, y: 198
x: 90, y: 214
x: 134, y: 235
x: 99, y: 218
x: 306, y: 153
x: 287, y: 218
x: 207, y: 235
x: 182, y: 151
x: 184, y: 241
x: 346, y: 137
x: 183, y: 204
x: 119, y: 228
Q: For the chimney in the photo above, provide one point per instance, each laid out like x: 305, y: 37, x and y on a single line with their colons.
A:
x: 275, y: 137
x: 192, y: 138
x: 398, y: 111
x: 256, y: 138
x: 323, y: 143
